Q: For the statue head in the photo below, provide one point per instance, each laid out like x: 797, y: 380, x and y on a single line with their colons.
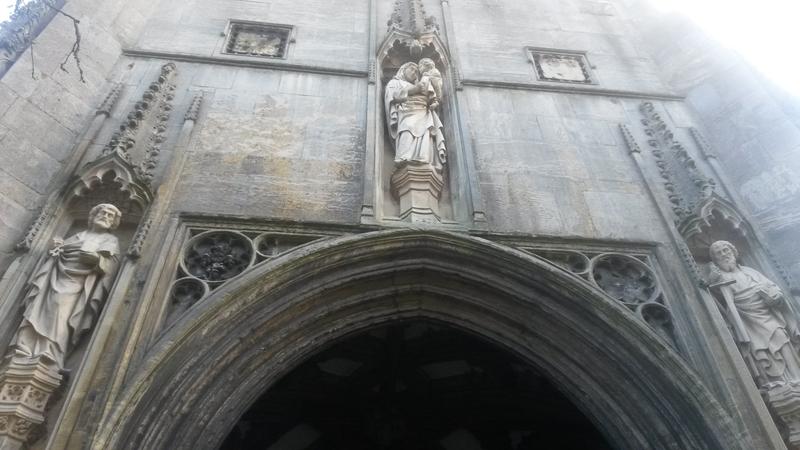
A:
x: 724, y: 255
x: 104, y: 216
x: 426, y: 64
x: 408, y: 72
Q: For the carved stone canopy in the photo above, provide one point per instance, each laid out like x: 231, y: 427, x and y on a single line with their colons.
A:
x: 401, y: 52
x: 714, y: 219
x: 116, y: 169
x: 412, y: 35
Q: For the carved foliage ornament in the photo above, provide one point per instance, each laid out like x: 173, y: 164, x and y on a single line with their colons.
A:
x: 218, y: 256
x: 153, y: 110
x: 687, y: 187
x: 625, y: 278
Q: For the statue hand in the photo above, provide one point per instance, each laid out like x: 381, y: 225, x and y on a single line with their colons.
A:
x: 442, y: 156
x: 434, y: 104
x: 57, y: 243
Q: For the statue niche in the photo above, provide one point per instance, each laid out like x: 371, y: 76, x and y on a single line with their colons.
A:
x: 416, y: 158
x: 411, y: 100
x: 67, y: 291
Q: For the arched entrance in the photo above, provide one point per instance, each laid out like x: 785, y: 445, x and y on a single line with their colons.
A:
x: 217, y: 360
x: 413, y: 385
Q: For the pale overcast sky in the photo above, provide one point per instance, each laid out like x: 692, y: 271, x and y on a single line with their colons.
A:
x: 765, y: 31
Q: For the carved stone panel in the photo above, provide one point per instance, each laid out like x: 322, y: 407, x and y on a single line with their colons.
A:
x: 258, y: 39
x: 561, y: 66
x: 625, y: 278
x: 217, y: 256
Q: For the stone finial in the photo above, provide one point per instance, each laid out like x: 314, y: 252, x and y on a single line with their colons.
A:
x: 193, y: 112
x: 135, y: 248
x: 33, y: 230
x: 110, y: 100
x: 410, y: 16
x: 633, y: 147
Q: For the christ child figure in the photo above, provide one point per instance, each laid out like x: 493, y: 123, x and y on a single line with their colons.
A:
x: 431, y: 80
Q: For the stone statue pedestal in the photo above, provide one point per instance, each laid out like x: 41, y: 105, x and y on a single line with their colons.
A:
x: 785, y: 402
x: 26, y: 385
x: 418, y: 187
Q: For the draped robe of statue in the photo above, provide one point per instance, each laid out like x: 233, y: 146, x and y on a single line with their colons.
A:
x: 415, y: 129
x: 770, y: 326
x: 66, y: 295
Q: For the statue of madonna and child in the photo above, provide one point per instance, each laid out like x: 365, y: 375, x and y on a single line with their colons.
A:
x: 411, y: 99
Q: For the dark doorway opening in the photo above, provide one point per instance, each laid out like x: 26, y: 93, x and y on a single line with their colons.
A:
x: 414, y: 385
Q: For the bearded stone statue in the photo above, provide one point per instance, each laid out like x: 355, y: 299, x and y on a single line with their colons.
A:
x: 67, y: 292
x: 763, y: 324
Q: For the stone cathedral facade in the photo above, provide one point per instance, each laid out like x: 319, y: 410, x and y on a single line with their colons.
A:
x: 392, y: 224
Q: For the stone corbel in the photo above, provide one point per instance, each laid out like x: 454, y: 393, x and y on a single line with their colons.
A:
x: 26, y: 386
x: 419, y: 189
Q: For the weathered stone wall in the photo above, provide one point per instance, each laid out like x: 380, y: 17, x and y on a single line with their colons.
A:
x: 330, y: 34
x: 491, y: 37
x: 547, y: 162
x: 273, y: 141
x: 43, y: 109
x: 283, y: 139
x: 752, y: 124
x: 551, y: 162
x: 556, y: 164
x: 275, y: 144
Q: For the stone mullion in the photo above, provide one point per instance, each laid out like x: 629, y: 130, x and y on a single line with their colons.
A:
x: 372, y: 180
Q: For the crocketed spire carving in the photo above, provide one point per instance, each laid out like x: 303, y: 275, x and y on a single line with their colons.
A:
x: 409, y: 16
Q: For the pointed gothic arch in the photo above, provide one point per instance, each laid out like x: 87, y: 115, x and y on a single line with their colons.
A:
x: 209, y: 366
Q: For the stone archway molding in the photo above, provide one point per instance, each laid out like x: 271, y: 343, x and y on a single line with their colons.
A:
x: 208, y: 367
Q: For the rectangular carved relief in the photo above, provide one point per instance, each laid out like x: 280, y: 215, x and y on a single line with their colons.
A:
x: 258, y: 39
x: 561, y: 66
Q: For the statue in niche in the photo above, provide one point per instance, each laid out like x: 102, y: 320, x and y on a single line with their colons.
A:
x: 67, y: 291
x: 763, y: 324
x: 411, y: 117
